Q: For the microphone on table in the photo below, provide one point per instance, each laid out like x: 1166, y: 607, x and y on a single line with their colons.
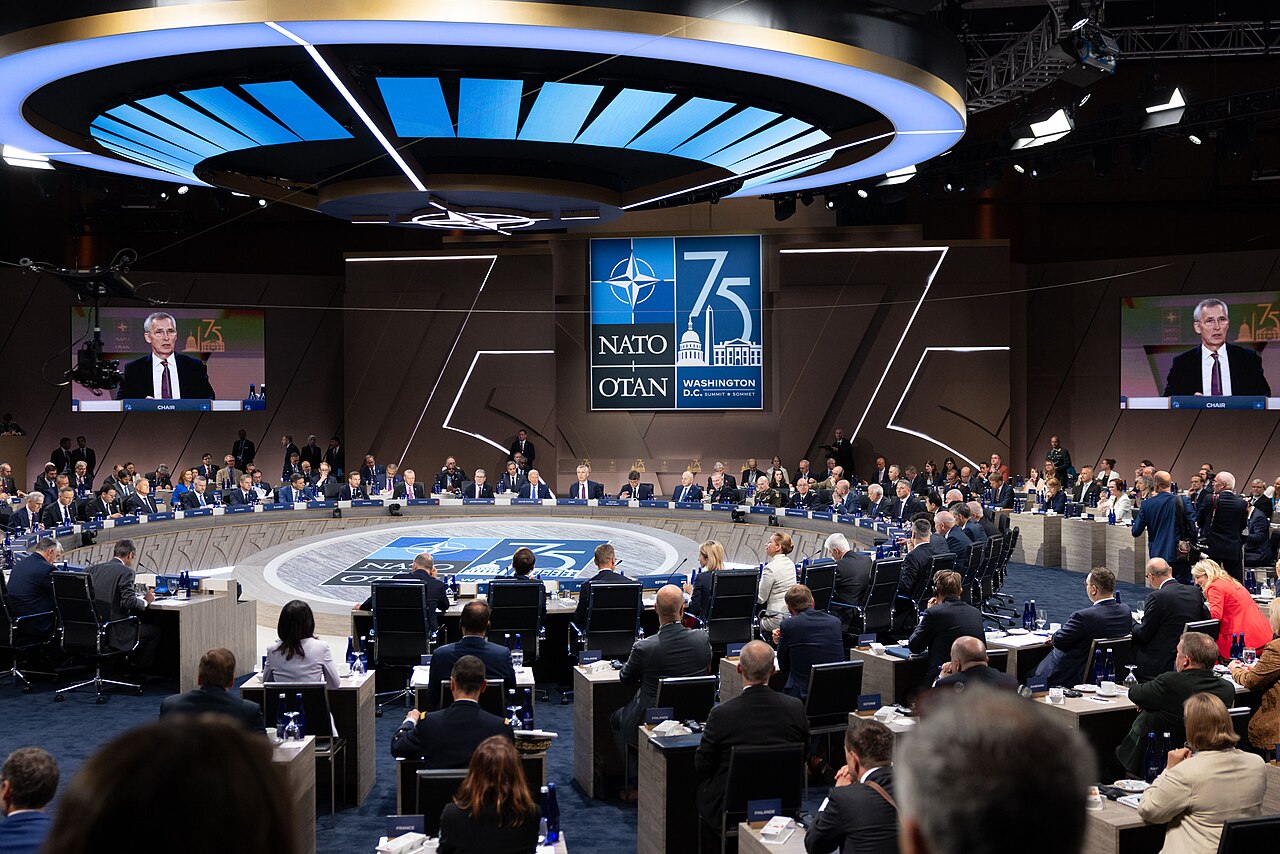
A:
x: 676, y: 571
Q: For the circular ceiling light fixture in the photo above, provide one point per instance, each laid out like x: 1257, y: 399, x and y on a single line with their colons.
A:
x: 491, y: 221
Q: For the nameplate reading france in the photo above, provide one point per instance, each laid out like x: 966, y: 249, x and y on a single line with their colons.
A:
x: 589, y: 656
x: 656, y: 716
x: 400, y: 824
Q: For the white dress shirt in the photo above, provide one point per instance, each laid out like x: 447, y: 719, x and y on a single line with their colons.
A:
x: 1206, y: 369
x: 157, y: 371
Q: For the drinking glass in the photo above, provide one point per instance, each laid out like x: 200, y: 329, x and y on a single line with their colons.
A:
x: 291, y: 731
x: 517, y: 658
x: 1130, y: 680
x: 1042, y: 619
x: 1250, y: 656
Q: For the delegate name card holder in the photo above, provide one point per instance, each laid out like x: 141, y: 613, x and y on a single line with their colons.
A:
x: 799, y: 512
x: 466, y: 501
x: 868, y: 705
x: 763, y: 509
x: 824, y: 515
x: 276, y: 505
x: 159, y: 517
x: 845, y: 519
x: 425, y: 502
x: 763, y: 810
x: 424, y: 661
x: 733, y: 650
x: 126, y: 520
x: 866, y: 522
x: 613, y: 502
x: 571, y: 502
x: 228, y: 509
x: 688, y: 505
x: 1039, y: 687
x: 589, y: 656
x: 401, y: 824
x: 525, y: 501
x: 63, y: 530
x: 653, y: 502
x: 1210, y: 402
x: 92, y: 526
x: 366, y: 502
x: 866, y: 640
x: 655, y: 716
x: 724, y: 507
x: 321, y: 505
x: 159, y: 405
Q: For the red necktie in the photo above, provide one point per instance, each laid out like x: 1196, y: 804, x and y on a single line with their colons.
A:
x: 166, y: 390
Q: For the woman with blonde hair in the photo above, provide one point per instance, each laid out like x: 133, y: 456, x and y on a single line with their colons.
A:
x: 710, y: 559
x: 1232, y: 606
x: 1054, y: 498
x: 1264, y: 675
x: 1204, y: 784
x: 493, y: 811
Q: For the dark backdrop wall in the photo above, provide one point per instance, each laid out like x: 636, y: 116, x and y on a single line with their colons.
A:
x: 1072, y: 365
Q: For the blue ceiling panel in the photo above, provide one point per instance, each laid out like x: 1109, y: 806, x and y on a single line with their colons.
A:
x: 164, y: 130
x: 686, y: 120
x: 558, y: 112
x: 624, y: 117
x: 188, y: 117
x: 295, y: 108
x: 242, y: 115
x: 488, y: 109
x: 725, y: 133
x: 416, y: 106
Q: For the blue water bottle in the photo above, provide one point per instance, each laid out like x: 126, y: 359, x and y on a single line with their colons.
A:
x: 282, y: 706
x: 552, y: 812
x: 1109, y: 667
x: 351, y: 650
x: 302, y: 715
x: 526, y: 712
x: 1097, y: 666
x: 1151, y: 761
x: 1166, y: 744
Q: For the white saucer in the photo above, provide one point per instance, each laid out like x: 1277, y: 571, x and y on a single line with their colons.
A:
x: 1018, y: 632
x: 1085, y: 688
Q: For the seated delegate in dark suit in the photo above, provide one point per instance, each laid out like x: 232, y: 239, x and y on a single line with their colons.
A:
x: 723, y: 493
x: 757, y: 716
x: 478, y: 488
x: 1105, y: 618
x: 946, y: 619
x: 969, y: 666
x: 141, y: 502
x: 423, y: 571
x: 857, y: 817
x: 1161, y: 698
x: 215, y: 676
x: 511, y: 480
x: 806, y: 638
x: 62, y: 512
x: 584, y: 488
x: 803, y: 497
x: 31, y: 589
x: 522, y: 563
x: 673, y: 651
x: 352, y: 490
x: 604, y: 558
x: 496, y: 658
x: 192, y: 379
x: 1001, y: 492
x: 27, y: 517
x: 534, y: 487
x: 244, y: 493
x: 1257, y: 539
x: 198, y: 495
x: 1167, y: 611
x: 450, y: 478
x: 687, y: 490
x: 296, y: 492
x: 446, y: 738
x: 409, y: 489
x: 493, y: 811
x: 853, y: 571
x: 633, y: 488
x: 905, y: 505
x: 29, y: 781
x: 115, y: 599
x: 1240, y: 375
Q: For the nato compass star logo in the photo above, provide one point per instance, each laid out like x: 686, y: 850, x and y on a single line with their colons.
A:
x: 632, y: 281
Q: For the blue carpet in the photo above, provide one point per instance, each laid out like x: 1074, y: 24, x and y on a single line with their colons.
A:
x: 74, y: 729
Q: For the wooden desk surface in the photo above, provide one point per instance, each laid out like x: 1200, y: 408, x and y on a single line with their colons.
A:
x: 347, y: 683
x: 595, y: 756
x: 297, y: 764
x: 422, y: 674
x: 749, y: 842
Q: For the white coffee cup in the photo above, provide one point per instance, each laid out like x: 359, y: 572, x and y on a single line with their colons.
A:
x: 1107, y: 689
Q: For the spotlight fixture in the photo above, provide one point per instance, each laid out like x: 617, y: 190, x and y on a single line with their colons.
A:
x: 1164, y: 107
x: 164, y: 197
x: 1019, y: 168
x: 806, y: 198
x: 1085, y: 99
x: 1093, y: 50
x: 23, y: 159
x: 183, y: 190
x: 262, y: 203
x: 898, y: 176
x: 1042, y: 128
x: 1193, y: 139
x: 862, y: 194
x: 784, y: 207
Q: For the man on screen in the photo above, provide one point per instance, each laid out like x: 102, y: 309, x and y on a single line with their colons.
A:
x: 162, y: 373
x: 1202, y: 370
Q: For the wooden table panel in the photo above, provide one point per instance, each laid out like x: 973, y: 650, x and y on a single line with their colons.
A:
x: 297, y: 768
x: 595, y: 755
x: 667, y: 819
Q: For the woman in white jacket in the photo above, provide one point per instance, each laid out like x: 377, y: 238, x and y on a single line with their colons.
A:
x: 777, y: 577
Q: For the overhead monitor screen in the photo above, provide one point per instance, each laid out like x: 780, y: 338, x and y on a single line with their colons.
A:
x: 1203, y: 351
x: 175, y: 360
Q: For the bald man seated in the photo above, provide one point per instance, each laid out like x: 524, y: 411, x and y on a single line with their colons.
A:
x: 970, y: 666
x: 673, y: 651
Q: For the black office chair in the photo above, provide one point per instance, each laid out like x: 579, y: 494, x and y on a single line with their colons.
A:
x: 436, y: 788
x: 1121, y: 651
x: 876, y: 614
x: 731, y: 611
x: 1240, y: 717
x: 820, y: 577
x: 330, y: 746
x: 405, y: 630
x: 15, y: 641
x: 613, y: 619
x: 84, y: 634
x: 1248, y: 835
x: 1206, y: 627
x: 987, y: 577
x: 689, y: 697
x: 760, y: 772
x: 516, y: 609
x: 998, y: 659
x: 924, y: 585
x: 832, y: 694
x: 493, y: 700
x: 969, y: 565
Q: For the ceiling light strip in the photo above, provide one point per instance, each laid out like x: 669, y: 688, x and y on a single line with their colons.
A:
x: 351, y: 100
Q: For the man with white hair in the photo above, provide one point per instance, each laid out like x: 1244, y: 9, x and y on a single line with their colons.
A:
x: 585, y: 488
x: 27, y: 518
x: 1202, y: 370
x: 1223, y: 523
x: 534, y: 487
x: 163, y: 374
x: 687, y: 490
x: 853, y: 575
x: 876, y: 504
x: 729, y: 479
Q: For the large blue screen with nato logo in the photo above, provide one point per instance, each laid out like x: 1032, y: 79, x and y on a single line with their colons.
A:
x: 676, y: 323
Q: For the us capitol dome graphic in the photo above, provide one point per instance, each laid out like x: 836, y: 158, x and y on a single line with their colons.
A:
x: 735, y: 353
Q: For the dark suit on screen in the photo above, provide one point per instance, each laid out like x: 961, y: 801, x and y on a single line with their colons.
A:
x: 193, y: 379
x: 1165, y: 614
x: 939, y: 627
x: 1247, y: 379
x: 217, y: 700
x: 757, y: 716
x: 805, y: 639
x: 446, y: 738
x: 496, y: 658
x: 673, y: 652
x: 856, y: 819
x: 1104, y: 619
